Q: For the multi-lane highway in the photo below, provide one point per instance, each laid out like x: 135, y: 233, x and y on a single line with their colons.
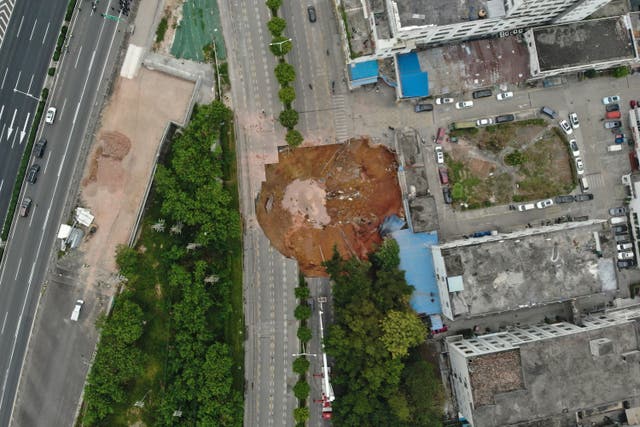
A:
x: 93, y: 42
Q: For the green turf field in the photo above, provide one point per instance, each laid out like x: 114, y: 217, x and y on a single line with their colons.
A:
x: 200, y: 26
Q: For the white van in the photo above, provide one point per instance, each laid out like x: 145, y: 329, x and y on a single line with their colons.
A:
x: 75, y: 315
x: 618, y: 220
x: 584, y: 184
x: 614, y: 147
x: 526, y: 207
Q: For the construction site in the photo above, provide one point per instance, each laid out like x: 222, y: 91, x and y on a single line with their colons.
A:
x: 318, y: 198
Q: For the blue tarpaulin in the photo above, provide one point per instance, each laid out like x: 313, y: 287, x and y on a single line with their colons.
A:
x: 417, y: 263
x: 415, y: 82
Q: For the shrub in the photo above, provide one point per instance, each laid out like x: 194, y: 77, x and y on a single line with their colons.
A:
x: 276, y: 26
x: 301, y: 415
x: 515, y: 158
x: 304, y: 334
x: 302, y: 312
x: 287, y: 94
x: 302, y: 293
x: 301, y: 390
x: 52, y: 71
x: 301, y: 365
x: 621, y: 71
x: 162, y: 29
x: 288, y: 118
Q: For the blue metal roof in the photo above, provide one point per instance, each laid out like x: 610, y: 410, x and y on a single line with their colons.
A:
x: 415, y: 82
x: 417, y: 263
x: 364, y: 72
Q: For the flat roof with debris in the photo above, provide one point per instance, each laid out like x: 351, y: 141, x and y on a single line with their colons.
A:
x: 550, y: 380
x: 582, y: 43
x: 440, y: 12
x: 526, y: 268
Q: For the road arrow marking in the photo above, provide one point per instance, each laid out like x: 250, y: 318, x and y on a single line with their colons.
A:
x: 23, y: 132
x: 10, y: 130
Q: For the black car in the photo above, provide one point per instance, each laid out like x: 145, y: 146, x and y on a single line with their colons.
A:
x: 423, y: 107
x: 620, y: 229
x: 583, y: 197
x: 505, y: 118
x: 549, y: 112
x: 621, y: 238
x: 311, y: 11
x: 626, y: 263
x: 38, y: 149
x: 564, y: 199
x: 32, y: 175
x: 446, y: 193
x: 612, y: 107
x: 482, y: 93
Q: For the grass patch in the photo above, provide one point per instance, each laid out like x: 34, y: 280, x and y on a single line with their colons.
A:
x: 162, y: 29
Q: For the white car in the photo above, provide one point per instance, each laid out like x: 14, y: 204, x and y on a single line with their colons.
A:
x: 579, y: 166
x: 573, y: 118
x: 526, y: 207
x: 440, y: 101
x: 51, y: 115
x: 622, y: 247
x: 504, y: 95
x: 484, y: 122
x: 464, y: 104
x: 75, y: 315
x: 544, y: 204
x: 439, y: 155
x: 626, y: 255
x: 573, y: 145
x: 610, y: 99
x: 566, y: 127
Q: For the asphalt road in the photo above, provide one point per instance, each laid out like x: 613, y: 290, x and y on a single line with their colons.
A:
x: 52, y: 399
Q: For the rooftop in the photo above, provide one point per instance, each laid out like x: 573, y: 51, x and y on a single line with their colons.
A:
x: 443, y: 12
x: 582, y: 43
x: 528, y: 268
x: 560, y: 376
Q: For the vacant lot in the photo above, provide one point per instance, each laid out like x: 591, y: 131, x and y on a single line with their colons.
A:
x: 514, y: 162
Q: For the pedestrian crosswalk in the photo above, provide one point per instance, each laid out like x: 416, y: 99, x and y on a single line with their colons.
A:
x: 340, y: 118
x: 595, y: 180
x: 6, y: 9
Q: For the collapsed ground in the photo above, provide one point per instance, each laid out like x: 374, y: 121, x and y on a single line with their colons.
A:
x: 334, y: 195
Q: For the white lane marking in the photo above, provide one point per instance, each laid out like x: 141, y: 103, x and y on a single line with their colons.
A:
x: 46, y: 32
x: 1, y: 185
x: 17, y: 81
x: 2, y: 133
x: 84, y: 87
x: 46, y: 163
x: 4, y: 78
x: 13, y: 119
x: 20, y: 27
x: 18, y: 269
x: 78, y: 58
x: 30, y: 83
x: 33, y: 29
x: 31, y: 220
x: 1, y: 111
x: 4, y: 323
x: 64, y: 104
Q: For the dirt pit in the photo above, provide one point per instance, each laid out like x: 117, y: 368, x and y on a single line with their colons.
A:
x: 316, y: 198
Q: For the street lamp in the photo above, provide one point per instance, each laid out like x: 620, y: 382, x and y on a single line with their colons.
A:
x: 280, y: 43
x: 303, y: 354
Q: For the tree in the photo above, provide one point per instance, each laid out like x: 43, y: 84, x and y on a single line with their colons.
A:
x: 301, y: 365
x: 280, y: 46
x: 285, y: 73
x: 304, y: 334
x: 302, y: 293
x: 287, y: 94
x: 387, y: 257
x: 274, y: 5
x: 288, y: 118
x: 301, y: 415
x: 621, y: 71
x: 294, y: 138
x: 302, y: 312
x: 276, y: 26
x: 402, y: 330
x: 301, y: 390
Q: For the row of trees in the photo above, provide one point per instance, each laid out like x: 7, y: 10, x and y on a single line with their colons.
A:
x: 175, y: 353
x: 285, y: 73
x: 378, y: 374
x: 301, y: 364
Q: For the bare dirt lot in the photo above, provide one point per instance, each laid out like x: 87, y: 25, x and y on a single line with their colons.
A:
x: 316, y: 198
x: 121, y: 160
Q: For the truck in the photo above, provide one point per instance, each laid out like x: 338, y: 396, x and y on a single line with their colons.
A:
x: 463, y: 125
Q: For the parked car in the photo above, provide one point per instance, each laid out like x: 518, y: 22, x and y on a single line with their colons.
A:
x: 482, y: 93
x: 621, y: 238
x: 440, y: 101
x: 446, y: 193
x: 505, y: 118
x: 25, y: 206
x: 613, y: 107
x: 75, y: 314
x: 439, y: 155
x: 620, y: 140
x: 610, y: 99
x: 618, y: 211
x: 565, y: 126
x: 579, y: 166
x: 620, y: 229
x: 50, y: 116
x: 564, y: 199
x: 612, y: 124
x: 542, y: 204
x: 504, y: 95
x: 38, y: 149
x: 464, y: 104
x: 526, y: 207
x: 583, y: 197
x: 419, y: 108
x: 32, y: 174
x: 444, y: 176
x: 626, y: 255
x: 624, y: 246
x: 441, y: 133
x: 311, y: 11
x: 612, y: 115
x: 549, y: 112
x: 573, y: 118
x: 573, y: 146
x: 626, y: 263
x: 484, y: 122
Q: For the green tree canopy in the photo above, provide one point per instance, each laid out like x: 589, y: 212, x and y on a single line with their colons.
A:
x: 280, y: 46
x: 276, y: 26
x: 294, y: 138
x: 401, y: 331
x: 287, y: 94
x: 288, y: 118
x: 285, y: 73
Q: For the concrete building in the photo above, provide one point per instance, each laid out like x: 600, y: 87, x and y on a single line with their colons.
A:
x: 532, y: 267
x: 569, y: 48
x: 550, y: 375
